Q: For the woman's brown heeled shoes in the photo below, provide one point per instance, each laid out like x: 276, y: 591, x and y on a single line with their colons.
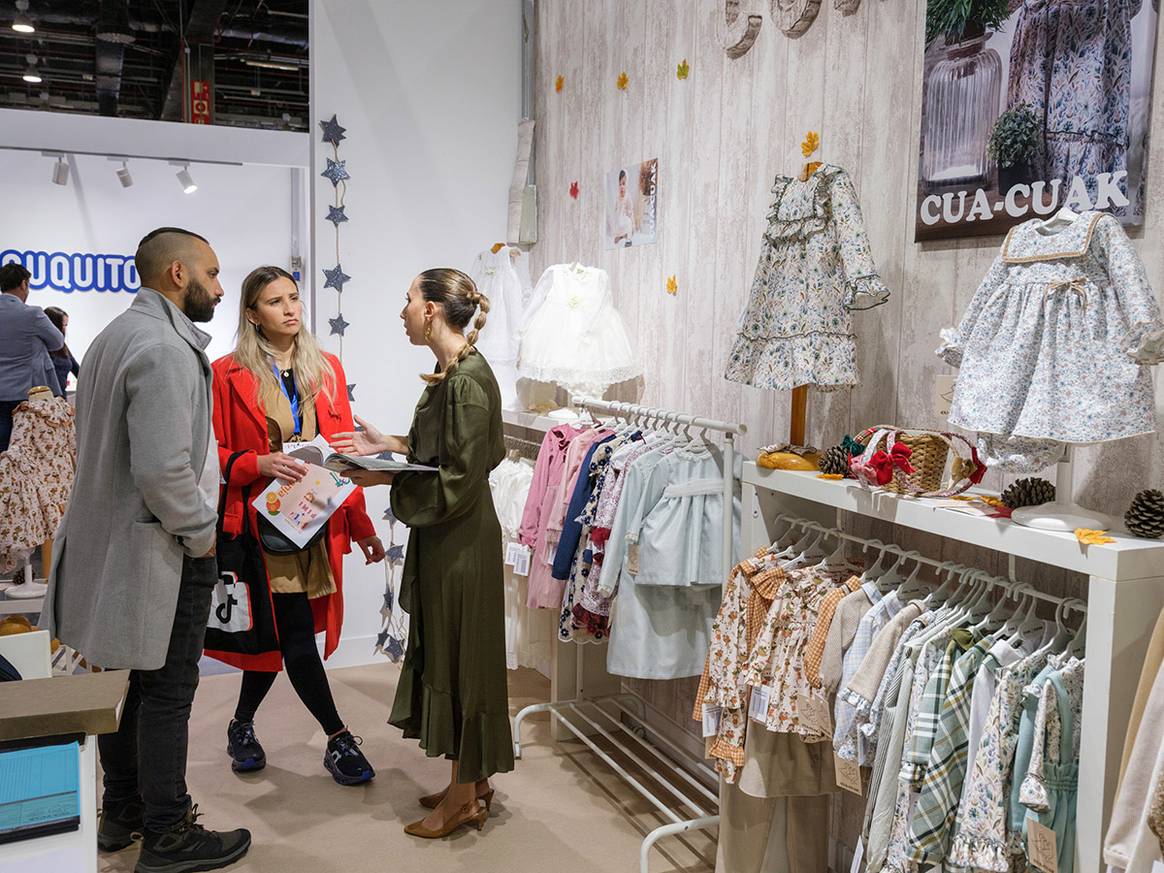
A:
x: 432, y: 801
x: 470, y: 813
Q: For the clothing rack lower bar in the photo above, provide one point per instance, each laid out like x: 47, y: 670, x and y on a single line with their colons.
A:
x: 678, y: 770
x: 678, y: 752
x: 676, y: 824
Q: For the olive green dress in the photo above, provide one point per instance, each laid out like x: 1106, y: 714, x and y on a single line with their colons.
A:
x: 452, y: 694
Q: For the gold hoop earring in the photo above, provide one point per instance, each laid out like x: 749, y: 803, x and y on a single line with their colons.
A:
x: 428, y: 329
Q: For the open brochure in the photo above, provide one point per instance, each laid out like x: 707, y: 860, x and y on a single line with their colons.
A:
x: 342, y: 463
x: 299, y: 509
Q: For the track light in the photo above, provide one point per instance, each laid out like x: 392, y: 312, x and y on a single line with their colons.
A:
x: 31, y: 74
x: 124, y: 177
x: 21, y: 23
x: 61, y: 171
x: 186, y: 180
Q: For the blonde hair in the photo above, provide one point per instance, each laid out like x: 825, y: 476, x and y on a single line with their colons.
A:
x: 313, y: 372
x: 458, y: 296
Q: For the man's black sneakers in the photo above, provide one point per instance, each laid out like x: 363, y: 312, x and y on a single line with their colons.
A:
x: 245, y: 751
x: 344, y: 760
x: 188, y: 847
x: 120, y: 821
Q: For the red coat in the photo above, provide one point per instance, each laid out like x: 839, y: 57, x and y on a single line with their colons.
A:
x: 240, y: 424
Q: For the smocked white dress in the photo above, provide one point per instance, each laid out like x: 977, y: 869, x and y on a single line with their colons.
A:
x: 1055, y: 344
x: 573, y: 335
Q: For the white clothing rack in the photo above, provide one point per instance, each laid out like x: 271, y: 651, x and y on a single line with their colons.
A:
x: 1125, y: 593
x: 669, y: 763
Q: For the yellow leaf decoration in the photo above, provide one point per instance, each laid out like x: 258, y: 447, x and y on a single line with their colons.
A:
x: 672, y: 285
x: 558, y: 83
x: 830, y: 476
x: 811, y: 143
x: 682, y: 70
x: 622, y: 81
x: 1092, y: 537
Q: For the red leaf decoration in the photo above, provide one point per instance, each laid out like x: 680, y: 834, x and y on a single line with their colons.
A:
x: 574, y: 190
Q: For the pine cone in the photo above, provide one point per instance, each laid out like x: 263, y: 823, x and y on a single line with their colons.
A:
x: 835, y: 461
x: 1031, y: 491
x: 1145, y: 517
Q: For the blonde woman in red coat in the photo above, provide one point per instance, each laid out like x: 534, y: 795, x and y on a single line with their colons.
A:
x: 277, y: 387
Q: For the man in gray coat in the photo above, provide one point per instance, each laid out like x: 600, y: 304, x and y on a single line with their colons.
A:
x: 133, y: 560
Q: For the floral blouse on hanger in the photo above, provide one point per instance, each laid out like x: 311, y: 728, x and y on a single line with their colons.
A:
x: 815, y: 267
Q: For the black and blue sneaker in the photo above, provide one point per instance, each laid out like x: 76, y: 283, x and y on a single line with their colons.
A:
x: 344, y: 760
x: 245, y: 750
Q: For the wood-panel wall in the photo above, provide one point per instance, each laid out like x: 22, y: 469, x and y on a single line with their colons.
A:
x: 721, y: 136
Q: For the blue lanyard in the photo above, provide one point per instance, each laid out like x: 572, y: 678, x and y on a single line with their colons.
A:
x: 292, y: 399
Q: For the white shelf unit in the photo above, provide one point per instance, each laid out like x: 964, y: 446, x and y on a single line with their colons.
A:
x: 1125, y: 593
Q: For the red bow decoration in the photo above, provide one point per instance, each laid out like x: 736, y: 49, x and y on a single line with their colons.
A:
x: 882, y: 463
x: 979, y: 467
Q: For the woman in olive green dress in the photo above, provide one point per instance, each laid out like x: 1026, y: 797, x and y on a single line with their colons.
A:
x: 452, y: 694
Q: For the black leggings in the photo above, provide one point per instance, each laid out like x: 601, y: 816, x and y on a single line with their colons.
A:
x: 301, y: 659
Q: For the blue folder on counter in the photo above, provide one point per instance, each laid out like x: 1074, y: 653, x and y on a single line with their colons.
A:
x: 39, y: 791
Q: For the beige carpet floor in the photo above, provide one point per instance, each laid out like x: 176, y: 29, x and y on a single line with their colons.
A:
x: 561, y: 810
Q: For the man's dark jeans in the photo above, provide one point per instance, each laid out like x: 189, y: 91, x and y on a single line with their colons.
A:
x: 147, y: 755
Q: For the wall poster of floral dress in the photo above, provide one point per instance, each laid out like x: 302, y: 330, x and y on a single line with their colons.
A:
x: 1032, y: 105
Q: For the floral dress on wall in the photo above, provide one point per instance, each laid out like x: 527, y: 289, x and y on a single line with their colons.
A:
x: 815, y: 267
x: 1054, y: 345
x: 1071, y: 62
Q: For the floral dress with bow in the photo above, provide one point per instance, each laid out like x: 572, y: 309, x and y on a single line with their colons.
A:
x: 1054, y: 345
x: 815, y: 267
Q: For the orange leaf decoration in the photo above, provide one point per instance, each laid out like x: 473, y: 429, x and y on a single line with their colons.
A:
x: 574, y: 190
x: 558, y: 83
x: 622, y: 81
x: 682, y: 70
x: 811, y: 143
x: 1089, y: 537
x: 672, y: 285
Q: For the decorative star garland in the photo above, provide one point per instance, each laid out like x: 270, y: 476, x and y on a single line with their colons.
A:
x: 336, y: 173
x: 393, y: 619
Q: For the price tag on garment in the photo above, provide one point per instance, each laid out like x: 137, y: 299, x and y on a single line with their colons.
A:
x: 758, y: 706
x: 632, y: 559
x: 848, y: 774
x: 858, y: 856
x: 943, y: 394
x: 521, y: 561
x: 711, y: 716
x: 1157, y: 867
x: 511, y: 553
x: 1041, y: 848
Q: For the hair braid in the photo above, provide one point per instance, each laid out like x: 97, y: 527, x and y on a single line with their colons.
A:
x: 458, y: 296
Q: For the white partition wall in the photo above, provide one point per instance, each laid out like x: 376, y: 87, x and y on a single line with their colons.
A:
x: 430, y: 96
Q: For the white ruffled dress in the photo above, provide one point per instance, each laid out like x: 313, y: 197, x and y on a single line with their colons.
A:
x: 1055, y: 345
x: 573, y: 335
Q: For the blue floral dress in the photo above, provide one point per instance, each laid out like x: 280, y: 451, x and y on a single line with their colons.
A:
x: 1071, y: 62
x: 815, y: 266
x: 1053, y: 346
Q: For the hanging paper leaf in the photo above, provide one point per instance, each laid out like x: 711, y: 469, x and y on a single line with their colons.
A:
x: 389, y: 516
x: 389, y: 598
x: 395, y: 554
x: 672, y: 285
x: 682, y: 70
x: 558, y: 83
x: 395, y: 649
x: 622, y: 81
x: 811, y: 143
x: 574, y: 190
x: 1089, y: 537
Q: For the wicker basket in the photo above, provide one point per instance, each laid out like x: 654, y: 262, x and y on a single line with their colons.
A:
x: 930, y: 454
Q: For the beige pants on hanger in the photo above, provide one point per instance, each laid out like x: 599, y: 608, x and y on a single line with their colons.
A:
x: 771, y: 834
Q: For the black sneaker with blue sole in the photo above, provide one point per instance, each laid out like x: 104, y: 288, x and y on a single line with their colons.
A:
x: 345, y: 762
x: 246, y: 752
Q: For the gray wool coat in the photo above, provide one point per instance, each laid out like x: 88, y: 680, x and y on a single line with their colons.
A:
x: 143, y: 429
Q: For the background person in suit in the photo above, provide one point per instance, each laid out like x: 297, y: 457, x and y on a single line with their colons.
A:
x: 26, y: 339
x: 133, y: 561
